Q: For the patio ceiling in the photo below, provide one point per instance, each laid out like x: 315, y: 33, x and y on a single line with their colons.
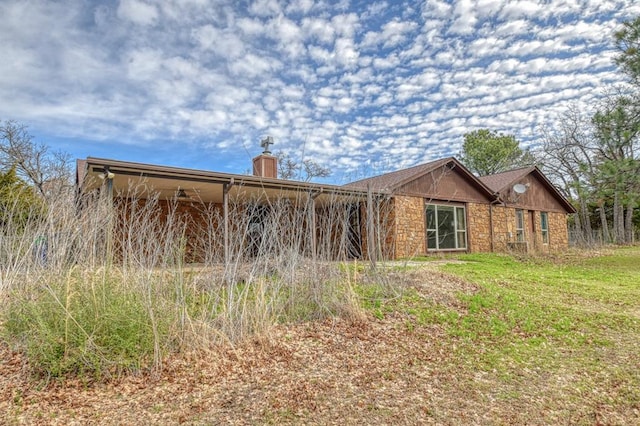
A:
x: 145, y: 180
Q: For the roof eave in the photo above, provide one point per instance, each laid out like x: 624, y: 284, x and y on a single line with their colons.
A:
x: 142, y: 169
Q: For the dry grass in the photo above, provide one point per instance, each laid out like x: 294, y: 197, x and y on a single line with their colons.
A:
x: 395, y: 369
x: 322, y: 372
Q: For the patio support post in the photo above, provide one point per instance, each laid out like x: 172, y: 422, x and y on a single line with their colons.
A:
x: 225, y: 209
x: 312, y: 223
x: 109, y: 237
x: 371, y: 239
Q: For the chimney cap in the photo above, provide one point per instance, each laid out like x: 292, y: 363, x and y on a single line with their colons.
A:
x: 264, y: 143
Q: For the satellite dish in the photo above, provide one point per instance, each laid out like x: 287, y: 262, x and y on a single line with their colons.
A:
x: 519, y: 188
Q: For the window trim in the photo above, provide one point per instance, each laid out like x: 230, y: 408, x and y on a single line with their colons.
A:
x: 458, y: 233
x: 520, y: 235
x: 544, y: 227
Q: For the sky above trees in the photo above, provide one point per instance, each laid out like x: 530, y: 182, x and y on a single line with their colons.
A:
x: 362, y: 87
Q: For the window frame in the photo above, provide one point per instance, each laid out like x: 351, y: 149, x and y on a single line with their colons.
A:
x: 520, y: 236
x: 544, y: 227
x: 460, y: 231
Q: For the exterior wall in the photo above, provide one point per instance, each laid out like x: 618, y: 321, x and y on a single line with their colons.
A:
x: 504, y: 227
x: 558, y: 232
x: 478, y: 227
x: 410, y: 233
x: 400, y: 233
x: 196, y: 224
x: 504, y: 231
x: 265, y: 165
x: 536, y: 197
x: 444, y: 184
x: 384, y: 222
x: 535, y: 239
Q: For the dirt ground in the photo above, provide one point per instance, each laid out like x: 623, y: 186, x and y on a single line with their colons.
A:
x: 336, y: 371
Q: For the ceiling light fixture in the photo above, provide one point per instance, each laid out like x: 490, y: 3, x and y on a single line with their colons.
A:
x: 181, y: 194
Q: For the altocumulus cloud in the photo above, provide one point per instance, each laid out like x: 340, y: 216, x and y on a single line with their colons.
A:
x: 363, y: 87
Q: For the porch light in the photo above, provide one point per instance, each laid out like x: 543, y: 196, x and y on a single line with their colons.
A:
x: 106, y: 175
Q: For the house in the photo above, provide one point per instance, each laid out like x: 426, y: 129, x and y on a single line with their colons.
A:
x: 439, y: 206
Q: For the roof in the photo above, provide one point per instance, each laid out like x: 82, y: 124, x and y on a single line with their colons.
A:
x: 197, y: 180
x: 208, y: 185
x: 499, y: 181
x: 392, y: 181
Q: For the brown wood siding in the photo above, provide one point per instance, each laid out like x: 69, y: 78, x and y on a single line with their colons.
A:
x: 385, y: 232
x: 537, y: 197
x: 196, y: 225
x: 444, y: 184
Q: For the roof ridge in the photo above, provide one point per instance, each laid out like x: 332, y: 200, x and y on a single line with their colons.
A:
x: 509, y: 171
x: 395, y: 177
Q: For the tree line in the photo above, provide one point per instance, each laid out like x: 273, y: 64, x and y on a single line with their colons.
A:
x: 592, y: 155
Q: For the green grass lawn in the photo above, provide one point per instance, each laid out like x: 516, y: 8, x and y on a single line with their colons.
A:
x: 542, y: 340
x: 566, y: 327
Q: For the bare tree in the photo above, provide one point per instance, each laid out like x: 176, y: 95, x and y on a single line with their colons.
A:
x: 287, y: 167
x: 49, y: 172
x: 305, y: 170
x: 567, y: 159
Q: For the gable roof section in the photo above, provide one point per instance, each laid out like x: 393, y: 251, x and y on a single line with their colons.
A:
x: 502, y: 182
x: 393, y: 181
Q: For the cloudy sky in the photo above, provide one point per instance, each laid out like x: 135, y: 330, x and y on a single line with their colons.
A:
x: 360, y: 86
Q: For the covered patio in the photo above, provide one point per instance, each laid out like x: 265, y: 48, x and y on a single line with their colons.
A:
x: 330, y: 221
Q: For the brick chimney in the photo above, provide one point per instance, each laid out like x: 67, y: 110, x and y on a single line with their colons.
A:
x: 266, y: 165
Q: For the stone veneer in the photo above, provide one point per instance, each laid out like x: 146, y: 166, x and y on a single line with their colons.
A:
x: 504, y: 223
x: 478, y: 227
x: 558, y: 232
x: 504, y: 231
x: 410, y: 234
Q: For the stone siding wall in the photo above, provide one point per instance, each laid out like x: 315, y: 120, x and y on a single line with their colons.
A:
x: 504, y: 224
x: 558, y: 232
x: 478, y: 228
x: 504, y: 229
x: 410, y: 236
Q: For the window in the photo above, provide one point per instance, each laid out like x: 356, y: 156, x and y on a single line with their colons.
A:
x: 446, y: 227
x: 544, y: 227
x: 519, y: 225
